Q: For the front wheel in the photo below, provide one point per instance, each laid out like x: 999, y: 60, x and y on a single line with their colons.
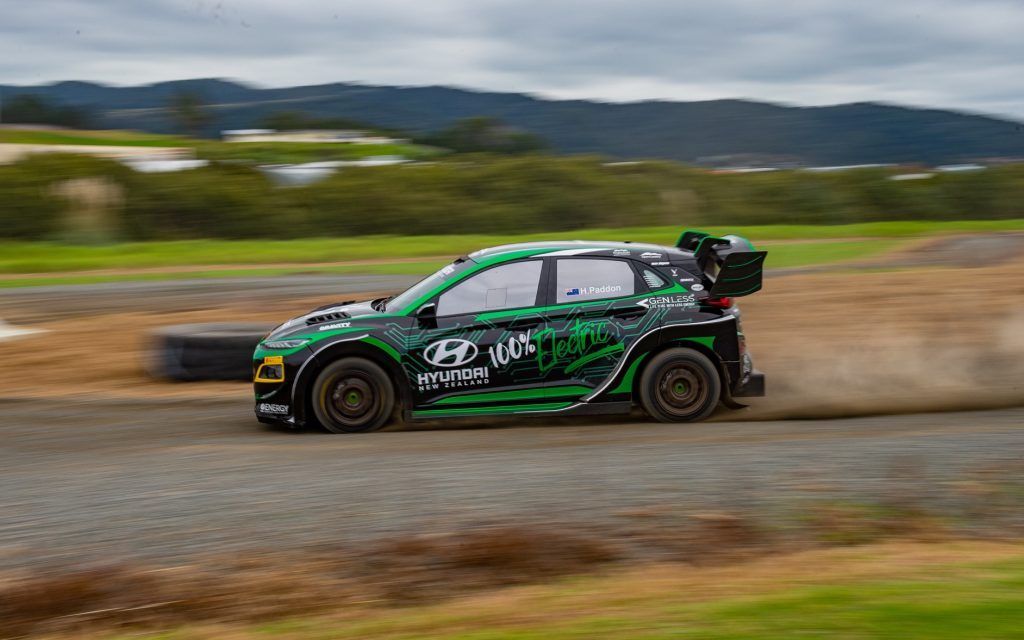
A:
x: 680, y: 385
x: 353, y: 395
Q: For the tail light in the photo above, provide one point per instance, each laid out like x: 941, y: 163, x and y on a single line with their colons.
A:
x: 721, y: 303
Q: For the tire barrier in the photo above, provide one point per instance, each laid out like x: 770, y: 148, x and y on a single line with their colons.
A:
x: 212, y: 351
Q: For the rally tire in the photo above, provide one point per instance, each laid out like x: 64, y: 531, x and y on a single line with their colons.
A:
x: 353, y: 395
x: 680, y: 385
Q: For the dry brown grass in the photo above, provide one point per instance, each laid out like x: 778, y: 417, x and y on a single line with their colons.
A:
x: 413, y: 569
x: 254, y: 586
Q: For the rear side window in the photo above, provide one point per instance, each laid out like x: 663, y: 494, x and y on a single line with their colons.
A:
x: 508, y: 286
x: 653, y: 280
x: 581, y: 279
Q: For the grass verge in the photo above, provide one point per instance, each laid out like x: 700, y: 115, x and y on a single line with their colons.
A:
x: 782, y: 256
x: 90, y: 138
x: 830, y: 569
x: 43, y: 257
x: 929, y: 595
x: 954, y: 590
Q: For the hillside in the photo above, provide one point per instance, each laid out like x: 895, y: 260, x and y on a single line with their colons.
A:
x: 687, y: 131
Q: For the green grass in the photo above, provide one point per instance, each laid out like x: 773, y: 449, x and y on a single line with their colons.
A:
x: 300, y: 152
x: 797, y: 246
x: 788, y: 255
x: 871, y: 229
x: 256, y: 152
x: 944, y: 602
x: 42, y: 257
x: 417, y: 268
x: 85, y: 137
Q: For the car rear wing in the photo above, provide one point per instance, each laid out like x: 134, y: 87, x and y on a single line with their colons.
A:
x: 731, y: 261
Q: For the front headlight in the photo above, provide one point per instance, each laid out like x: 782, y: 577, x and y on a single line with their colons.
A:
x: 285, y: 344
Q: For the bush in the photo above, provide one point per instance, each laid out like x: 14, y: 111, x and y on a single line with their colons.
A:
x: 493, y: 194
x: 28, y: 207
x: 210, y: 202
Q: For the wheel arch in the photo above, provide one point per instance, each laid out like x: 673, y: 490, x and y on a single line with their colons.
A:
x: 360, y: 348
x: 679, y: 343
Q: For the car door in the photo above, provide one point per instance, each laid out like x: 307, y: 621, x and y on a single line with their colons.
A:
x: 476, y: 349
x: 596, y: 315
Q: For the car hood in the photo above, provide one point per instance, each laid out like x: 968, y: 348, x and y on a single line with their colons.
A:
x: 321, y: 317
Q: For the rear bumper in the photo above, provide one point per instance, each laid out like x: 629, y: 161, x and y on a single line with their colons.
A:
x: 752, y: 386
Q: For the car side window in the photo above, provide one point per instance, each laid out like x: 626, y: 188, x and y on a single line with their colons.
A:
x: 581, y: 279
x: 508, y: 286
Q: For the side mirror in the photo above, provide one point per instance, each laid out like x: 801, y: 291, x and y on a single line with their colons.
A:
x: 427, y: 314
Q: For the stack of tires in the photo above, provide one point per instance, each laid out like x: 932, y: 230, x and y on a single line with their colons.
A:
x: 191, y: 352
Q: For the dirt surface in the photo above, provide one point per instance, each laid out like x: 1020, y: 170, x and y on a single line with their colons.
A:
x: 99, y: 460
x: 832, y: 344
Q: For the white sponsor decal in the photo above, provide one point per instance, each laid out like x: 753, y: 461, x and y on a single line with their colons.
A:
x: 696, y: 287
x: 650, y: 255
x: 336, y: 325
x: 620, y: 252
x: 685, y: 279
x: 668, y: 301
x: 675, y: 272
x: 453, y: 378
x: 592, y: 291
x: 450, y: 353
x: 659, y: 264
x: 266, y: 407
x: 513, y: 349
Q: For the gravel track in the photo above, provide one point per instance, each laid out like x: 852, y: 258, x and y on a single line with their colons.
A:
x: 164, y: 480
x: 91, y: 479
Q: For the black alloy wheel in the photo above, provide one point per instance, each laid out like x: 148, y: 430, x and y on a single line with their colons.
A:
x: 353, y: 395
x: 680, y: 385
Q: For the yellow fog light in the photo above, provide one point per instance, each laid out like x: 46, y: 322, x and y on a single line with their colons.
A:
x: 272, y: 370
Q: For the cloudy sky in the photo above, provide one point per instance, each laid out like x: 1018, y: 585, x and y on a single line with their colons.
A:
x: 967, y: 54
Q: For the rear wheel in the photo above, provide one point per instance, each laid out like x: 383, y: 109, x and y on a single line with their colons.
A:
x: 353, y: 395
x: 680, y: 385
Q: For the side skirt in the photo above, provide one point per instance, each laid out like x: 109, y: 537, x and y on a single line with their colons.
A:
x: 539, y: 409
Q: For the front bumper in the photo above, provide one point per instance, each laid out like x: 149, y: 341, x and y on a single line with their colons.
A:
x: 751, y: 386
x: 273, y: 398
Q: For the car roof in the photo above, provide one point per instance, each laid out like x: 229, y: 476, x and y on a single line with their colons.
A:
x: 571, y: 247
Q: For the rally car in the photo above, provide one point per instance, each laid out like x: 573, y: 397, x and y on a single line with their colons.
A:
x: 540, y: 328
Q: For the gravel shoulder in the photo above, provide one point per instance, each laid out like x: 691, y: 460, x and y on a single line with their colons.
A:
x: 166, y: 480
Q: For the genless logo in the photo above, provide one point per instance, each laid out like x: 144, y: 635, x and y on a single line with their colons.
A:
x: 450, y: 353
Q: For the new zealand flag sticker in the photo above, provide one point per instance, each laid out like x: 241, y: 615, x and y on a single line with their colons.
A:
x: 572, y: 292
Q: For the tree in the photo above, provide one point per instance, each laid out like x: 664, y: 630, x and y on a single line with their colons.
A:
x: 188, y: 110
x: 296, y: 120
x: 485, y: 134
x: 28, y: 108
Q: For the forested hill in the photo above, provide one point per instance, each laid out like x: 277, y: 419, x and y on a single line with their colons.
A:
x: 841, y: 134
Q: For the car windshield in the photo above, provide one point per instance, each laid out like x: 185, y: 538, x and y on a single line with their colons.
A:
x: 426, y: 285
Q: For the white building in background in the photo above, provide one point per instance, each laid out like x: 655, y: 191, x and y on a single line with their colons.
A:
x: 318, y: 136
x: 160, y: 165
x: 293, y: 175
x: 849, y: 167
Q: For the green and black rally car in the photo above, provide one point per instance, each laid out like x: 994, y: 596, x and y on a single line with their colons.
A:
x: 541, y: 328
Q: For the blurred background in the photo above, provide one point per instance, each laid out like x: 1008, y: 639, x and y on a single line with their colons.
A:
x: 199, y: 161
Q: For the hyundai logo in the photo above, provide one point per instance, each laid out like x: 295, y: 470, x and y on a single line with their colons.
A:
x: 450, y: 353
